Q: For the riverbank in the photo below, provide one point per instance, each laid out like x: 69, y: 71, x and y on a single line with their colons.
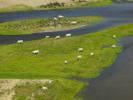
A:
x: 31, y: 26
x: 23, y: 5
x: 112, y: 83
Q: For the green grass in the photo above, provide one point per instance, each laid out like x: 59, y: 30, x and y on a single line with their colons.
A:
x: 30, y: 26
x: 21, y: 7
x: 17, y: 60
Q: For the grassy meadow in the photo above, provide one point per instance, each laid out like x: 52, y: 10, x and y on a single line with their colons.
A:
x: 17, y: 61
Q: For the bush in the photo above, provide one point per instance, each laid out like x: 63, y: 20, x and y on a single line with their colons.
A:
x: 54, y: 4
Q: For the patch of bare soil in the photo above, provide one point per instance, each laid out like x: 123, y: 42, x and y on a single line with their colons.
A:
x: 7, y: 86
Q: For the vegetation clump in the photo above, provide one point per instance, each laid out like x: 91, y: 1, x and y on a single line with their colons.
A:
x: 53, y: 5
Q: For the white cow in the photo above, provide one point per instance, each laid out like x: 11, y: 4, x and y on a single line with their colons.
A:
x: 92, y: 54
x: 47, y: 36
x: 66, y: 62
x: 20, y: 41
x: 44, y: 88
x: 57, y: 37
x: 60, y: 16
x: 79, y: 57
x: 50, y: 81
x: 68, y: 35
x: 74, y: 22
x: 80, y: 49
x: 114, y: 36
x: 35, y: 52
x: 114, y: 46
x: 55, y: 18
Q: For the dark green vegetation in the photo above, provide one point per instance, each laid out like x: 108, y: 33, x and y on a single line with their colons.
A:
x: 19, y: 62
x: 57, y: 5
x: 42, y: 25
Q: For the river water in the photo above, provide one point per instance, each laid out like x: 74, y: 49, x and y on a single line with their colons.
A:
x: 115, y: 83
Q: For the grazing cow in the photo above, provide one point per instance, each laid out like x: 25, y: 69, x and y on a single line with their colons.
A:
x: 68, y: 35
x: 74, y: 22
x: 60, y: 16
x: 44, y: 88
x: 91, y: 54
x: 20, y: 41
x: 66, y: 62
x: 47, y: 36
x: 57, y: 37
x: 35, y: 52
x: 50, y: 81
x: 80, y: 49
x: 114, y: 36
x: 55, y: 18
x: 79, y: 57
x: 114, y: 46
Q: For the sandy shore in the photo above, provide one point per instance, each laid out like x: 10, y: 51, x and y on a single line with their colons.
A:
x: 35, y: 3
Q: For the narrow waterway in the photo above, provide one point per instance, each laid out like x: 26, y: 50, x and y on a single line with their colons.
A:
x: 115, y: 83
x: 114, y: 15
